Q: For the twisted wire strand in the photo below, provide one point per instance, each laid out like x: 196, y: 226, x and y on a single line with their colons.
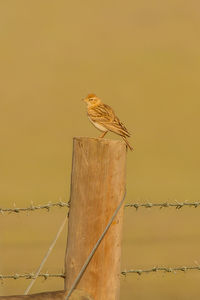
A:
x: 31, y: 276
x: 32, y: 207
x: 176, y: 204
x: 163, y: 269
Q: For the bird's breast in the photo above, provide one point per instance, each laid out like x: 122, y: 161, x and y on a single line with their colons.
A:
x: 97, y: 125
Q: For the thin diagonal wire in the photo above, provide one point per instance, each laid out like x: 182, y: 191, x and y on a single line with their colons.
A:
x: 95, y: 248
x: 46, y: 256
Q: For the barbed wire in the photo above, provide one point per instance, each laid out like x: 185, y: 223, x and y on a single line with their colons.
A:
x: 48, y: 206
x: 32, y: 207
x: 164, y: 269
x: 31, y: 276
x: 176, y: 205
x: 124, y: 272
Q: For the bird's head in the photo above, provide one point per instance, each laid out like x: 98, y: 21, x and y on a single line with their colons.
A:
x: 92, y: 100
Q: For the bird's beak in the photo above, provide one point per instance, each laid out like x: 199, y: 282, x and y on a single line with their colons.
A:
x: 83, y: 99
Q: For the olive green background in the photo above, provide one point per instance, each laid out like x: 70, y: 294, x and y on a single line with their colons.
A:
x: 143, y: 59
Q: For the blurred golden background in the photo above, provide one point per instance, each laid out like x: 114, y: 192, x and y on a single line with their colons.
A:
x: 143, y: 59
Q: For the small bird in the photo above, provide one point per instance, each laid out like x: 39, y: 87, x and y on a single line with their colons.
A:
x: 103, y: 118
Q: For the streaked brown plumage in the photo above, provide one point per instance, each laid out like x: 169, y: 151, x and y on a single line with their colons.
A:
x: 103, y: 117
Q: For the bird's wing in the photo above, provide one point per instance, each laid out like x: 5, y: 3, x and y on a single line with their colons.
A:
x: 101, y: 114
x: 117, y: 127
x: 104, y: 115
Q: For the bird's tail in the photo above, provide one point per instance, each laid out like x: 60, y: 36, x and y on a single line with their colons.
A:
x: 127, y: 143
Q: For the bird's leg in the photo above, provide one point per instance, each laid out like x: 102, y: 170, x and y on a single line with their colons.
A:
x: 103, y: 134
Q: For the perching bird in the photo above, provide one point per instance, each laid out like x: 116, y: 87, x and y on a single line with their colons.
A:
x: 103, y: 117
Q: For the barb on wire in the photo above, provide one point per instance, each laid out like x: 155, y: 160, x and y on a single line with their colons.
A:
x: 177, y: 204
x: 47, y: 207
x: 164, y: 269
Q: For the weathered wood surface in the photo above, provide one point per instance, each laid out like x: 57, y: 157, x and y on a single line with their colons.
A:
x: 58, y: 295
x: 97, y: 187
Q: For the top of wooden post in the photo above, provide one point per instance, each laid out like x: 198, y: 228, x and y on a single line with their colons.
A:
x: 101, y: 141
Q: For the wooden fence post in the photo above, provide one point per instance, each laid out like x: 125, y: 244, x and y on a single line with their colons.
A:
x: 97, y: 187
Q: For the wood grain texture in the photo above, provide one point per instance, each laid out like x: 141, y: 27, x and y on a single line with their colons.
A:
x: 97, y: 187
